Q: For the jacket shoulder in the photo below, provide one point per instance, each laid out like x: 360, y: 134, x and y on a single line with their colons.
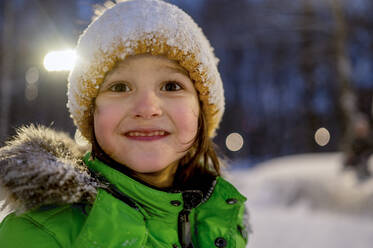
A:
x: 221, y: 217
x: 226, y: 190
x: 51, y: 226
x: 232, y: 196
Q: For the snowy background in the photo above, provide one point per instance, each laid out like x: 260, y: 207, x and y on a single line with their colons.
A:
x: 307, y: 201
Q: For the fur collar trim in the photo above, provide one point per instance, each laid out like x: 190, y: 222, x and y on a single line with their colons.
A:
x: 40, y: 166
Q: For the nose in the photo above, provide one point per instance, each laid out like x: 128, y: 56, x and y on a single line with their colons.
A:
x: 147, y: 105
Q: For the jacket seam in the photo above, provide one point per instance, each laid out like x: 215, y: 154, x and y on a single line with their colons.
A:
x: 81, y: 239
x: 42, y: 228
x: 233, y: 226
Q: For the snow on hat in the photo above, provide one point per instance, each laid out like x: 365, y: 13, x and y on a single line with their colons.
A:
x: 133, y: 27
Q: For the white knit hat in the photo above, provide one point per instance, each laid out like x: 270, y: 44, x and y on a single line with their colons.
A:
x: 137, y: 27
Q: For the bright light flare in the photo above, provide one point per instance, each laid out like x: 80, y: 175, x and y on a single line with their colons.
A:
x: 322, y: 136
x: 234, y: 142
x: 60, y: 60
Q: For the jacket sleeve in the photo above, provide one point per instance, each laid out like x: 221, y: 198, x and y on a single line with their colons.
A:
x: 20, y: 232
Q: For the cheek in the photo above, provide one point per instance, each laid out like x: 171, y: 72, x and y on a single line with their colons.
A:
x: 187, y: 119
x: 106, y: 117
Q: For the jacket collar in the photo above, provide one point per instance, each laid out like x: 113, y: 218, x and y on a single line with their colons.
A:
x: 152, y: 200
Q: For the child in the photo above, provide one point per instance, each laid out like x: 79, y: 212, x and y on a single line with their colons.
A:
x: 147, y: 96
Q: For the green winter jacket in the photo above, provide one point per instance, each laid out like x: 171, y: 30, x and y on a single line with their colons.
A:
x: 131, y: 214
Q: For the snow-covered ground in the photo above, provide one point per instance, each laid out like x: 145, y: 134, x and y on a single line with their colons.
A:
x: 306, y: 201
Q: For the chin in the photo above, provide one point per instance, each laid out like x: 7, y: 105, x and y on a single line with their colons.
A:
x: 153, y: 169
x: 149, y: 167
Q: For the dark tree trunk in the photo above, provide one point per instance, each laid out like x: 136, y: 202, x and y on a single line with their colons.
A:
x: 7, y: 65
x: 347, y: 98
x: 308, y: 63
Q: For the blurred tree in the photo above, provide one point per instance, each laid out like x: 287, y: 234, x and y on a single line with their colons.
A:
x: 357, y: 143
x: 342, y: 66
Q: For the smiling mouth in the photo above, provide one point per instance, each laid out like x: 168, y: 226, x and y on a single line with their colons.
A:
x: 146, y: 135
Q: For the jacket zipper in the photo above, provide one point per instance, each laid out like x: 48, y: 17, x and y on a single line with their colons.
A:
x: 191, y: 198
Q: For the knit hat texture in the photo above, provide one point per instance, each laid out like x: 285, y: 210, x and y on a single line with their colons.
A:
x: 135, y: 27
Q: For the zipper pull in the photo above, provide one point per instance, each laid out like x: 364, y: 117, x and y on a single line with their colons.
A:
x: 184, y: 229
x: 191, y: 198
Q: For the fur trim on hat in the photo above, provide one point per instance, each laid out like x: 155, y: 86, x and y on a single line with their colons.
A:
x: 40, y: 166
x: 135, y: 27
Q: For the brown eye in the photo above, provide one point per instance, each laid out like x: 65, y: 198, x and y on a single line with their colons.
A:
x: 171, y: 86
x: 120, y: 87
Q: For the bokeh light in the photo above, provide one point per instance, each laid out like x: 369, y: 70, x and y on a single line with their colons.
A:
x: 32, y: 78
x: 32, y: 75
x: 234, y: 142
x: 31, y: 92
x: 322, y: 136
x: 60, y: 60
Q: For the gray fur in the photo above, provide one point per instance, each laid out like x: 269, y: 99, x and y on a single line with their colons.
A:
x: 40, y: 166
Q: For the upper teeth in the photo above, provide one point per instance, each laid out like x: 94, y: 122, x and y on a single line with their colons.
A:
x: 155, y: 133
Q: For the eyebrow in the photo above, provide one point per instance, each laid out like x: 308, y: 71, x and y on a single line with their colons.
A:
x: 177, y: 68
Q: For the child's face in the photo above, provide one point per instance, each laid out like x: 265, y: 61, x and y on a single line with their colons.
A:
x: 146, y: 113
